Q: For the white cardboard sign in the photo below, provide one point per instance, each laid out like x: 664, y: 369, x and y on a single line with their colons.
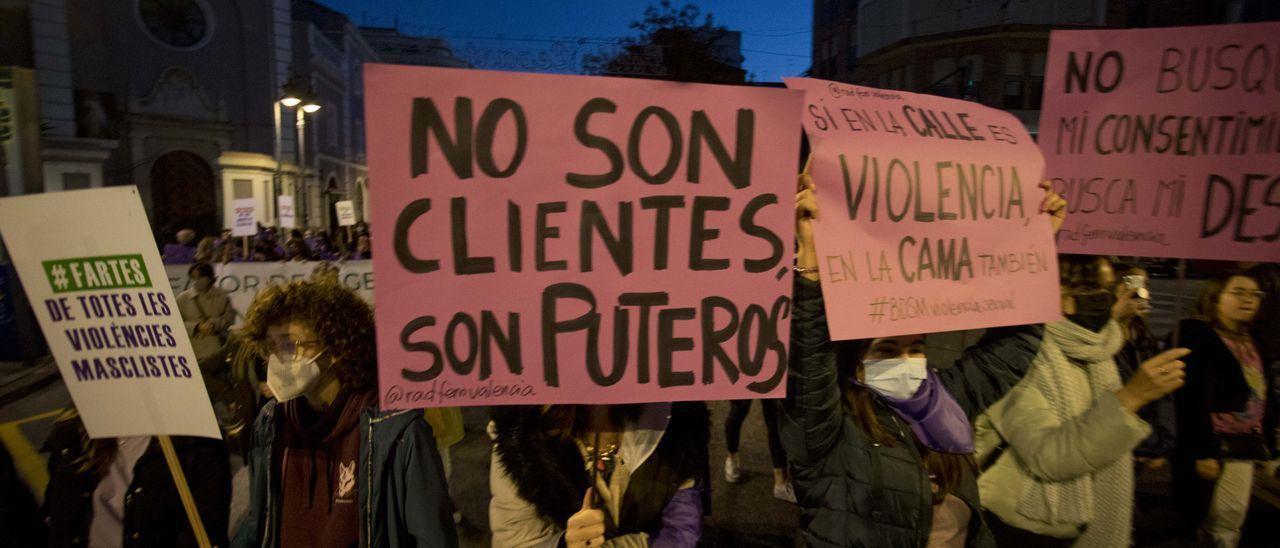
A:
x: 89, y: 265
x: 346, y: 212
x: 246, y: 219
x: 288, y: 216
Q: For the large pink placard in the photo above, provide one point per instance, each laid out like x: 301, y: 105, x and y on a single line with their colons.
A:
x: 570, y: 239
x: 929, y: 213
x: 1166, y: 141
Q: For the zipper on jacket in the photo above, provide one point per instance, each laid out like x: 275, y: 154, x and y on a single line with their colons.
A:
x: 368, y: 488
x: 926, y: 485
x: 266, y: 532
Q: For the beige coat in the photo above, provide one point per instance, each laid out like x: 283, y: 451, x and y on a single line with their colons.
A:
x: 1047, y: 457
x: 211, y: 306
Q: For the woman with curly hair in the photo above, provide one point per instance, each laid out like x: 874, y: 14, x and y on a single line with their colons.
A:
x: 327, y: 468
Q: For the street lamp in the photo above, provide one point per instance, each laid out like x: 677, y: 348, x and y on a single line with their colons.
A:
x: 309, y: 105
x: 294, y: 92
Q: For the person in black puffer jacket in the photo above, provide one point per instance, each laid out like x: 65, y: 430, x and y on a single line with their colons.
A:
x: 873, y: 462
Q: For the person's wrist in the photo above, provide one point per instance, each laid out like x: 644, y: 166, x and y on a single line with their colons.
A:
x: 1130, y: 400
x: 806, y: 264
x: 808, y: 273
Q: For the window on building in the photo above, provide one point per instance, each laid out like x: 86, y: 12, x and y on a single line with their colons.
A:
x: 357, y: 137
x: 944, y: 77
x: 851, y: 48
x: 824, y: 54
x: 75, y: 181
x: 1036, y: 80
x: 331, y: 132
x: 883, y: 82
x: 241, y: 189
x: 895, y: 79
x: 1015, y: 93
x: 971, y: 86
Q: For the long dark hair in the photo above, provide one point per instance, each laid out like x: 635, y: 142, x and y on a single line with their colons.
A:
x: 1081, y: 273
x: 947, y: 470
x: 1211, y: 292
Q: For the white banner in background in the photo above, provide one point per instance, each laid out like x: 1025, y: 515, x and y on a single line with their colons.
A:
x: 243, y: 281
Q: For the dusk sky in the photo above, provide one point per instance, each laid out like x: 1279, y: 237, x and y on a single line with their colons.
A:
x: 775, y: 40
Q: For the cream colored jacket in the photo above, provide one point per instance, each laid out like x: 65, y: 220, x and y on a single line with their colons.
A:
x: 1040, y: 448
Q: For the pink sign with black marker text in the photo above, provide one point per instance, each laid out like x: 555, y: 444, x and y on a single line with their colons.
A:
x: 928, y: 213
x: 1166, y: 142
x: 569, y: 239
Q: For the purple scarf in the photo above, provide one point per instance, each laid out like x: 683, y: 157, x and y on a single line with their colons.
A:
x: 935, y: 417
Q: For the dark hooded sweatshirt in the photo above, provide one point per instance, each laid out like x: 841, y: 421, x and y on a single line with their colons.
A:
x: 320, y: 451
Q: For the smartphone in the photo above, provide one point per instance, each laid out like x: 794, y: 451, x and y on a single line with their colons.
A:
x: 1138, y: 284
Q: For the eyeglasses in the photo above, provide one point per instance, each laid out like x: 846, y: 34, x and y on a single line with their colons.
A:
x: 289, y: 348
x: 1247, y: 294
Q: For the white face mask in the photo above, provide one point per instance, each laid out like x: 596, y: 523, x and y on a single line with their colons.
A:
x: 290, y: 379
x: 898, y: 378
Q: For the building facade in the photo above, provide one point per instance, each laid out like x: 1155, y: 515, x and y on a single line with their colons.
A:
x: 143, y: 92
x: 403, y: 49
x: 329, y: 54
x: 990, y: 51
x: 181, y: 98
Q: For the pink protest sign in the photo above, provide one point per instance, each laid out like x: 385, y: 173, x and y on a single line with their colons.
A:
x: 1166, y: 142
x: 929, y: 213
x: 571, y: 239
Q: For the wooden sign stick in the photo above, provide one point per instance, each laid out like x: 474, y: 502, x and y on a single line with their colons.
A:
x: 184, y: 491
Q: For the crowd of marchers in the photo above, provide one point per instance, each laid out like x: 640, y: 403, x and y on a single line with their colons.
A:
x: 269, y: 244
x: 1032, y: 437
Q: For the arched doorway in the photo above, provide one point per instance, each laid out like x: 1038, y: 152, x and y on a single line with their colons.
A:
x: 183, y: 195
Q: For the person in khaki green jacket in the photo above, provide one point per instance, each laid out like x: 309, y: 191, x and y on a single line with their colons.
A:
x: 1060, y: 444
x: 447, y: 428
x: 446, y: 424
x: 206, y: 312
